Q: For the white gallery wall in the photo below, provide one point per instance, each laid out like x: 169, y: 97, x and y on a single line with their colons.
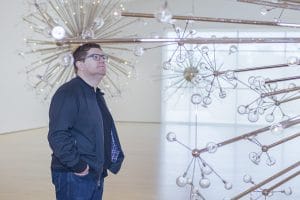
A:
x: 20, y: 108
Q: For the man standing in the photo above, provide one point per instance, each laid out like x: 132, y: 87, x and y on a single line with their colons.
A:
x: 82, y: 133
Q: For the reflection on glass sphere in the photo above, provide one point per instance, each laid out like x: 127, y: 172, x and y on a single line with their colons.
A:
x: 288, y: 191
x: 117, y: 13
x: 212, y: 147
x: 138, y: 51
x: 66, y: 60
x: 293, y: 60
x: 270, y: 161
x: 228, y: 186
x: 254, y: 157
x: 196, y: 99
x: 58, y: 32
x: 204, y: 183
x: 276, y: 128
x: 181, y: 181
x: 171, y: 137
x: 247, y: 178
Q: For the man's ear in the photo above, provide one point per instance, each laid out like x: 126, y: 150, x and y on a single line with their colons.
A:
x: 80, y: 65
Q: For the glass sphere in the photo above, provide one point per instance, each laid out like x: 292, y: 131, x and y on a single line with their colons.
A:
x: 288, y: 191
x: 276, y: 128
x: 207, y: 100
x: 58, y: 32
x: 264, y: 11
x: 206, y: 170
x: 251, y: 79
x: 204, y: 183
x: 269, y: 117
x: 233, y: 49
x: 66, y: 59
x: 171, y: 137
x: 196, y: 99
x: 242, y: 109
x: 180, y: 58
x: 138, y: 51
x: 87, y: 34
x: 293, y: 60
x: 163, y: 15
x: 230, y: 75
x: 222, y: 94
x: 227, y: 186
x: 247, y: 178
x: 99, y: 22
x: 181, y: 181
x: 204, y: 50
x: 212, y: 147
x: 167, y: 65
x: 270, y: 161
x: 117, y: 13
x: 253, y: 116
x: 254, y: 157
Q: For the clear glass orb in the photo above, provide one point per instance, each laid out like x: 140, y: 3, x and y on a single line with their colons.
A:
x: 270, y: 117
x: 242, y: 109
x: 138, y: 51
x: 253, y: 116
x: 260, y: 110
x: 254, y: 157
x: 293, y: 60
x: 196, y: 99
x: 230, y: 75
x: 66, y: 59
x: 247, y: 178
x: 58, y: 32
x: 180, y: 58
x: 264, y: 11
x: 181, y: 181
x: 291, y: 85
x: 167, y: 65
x: 251, y: 79
x: 88, y: 34
x: 99, y: 22
x: 207, y: 100
x: 233, y: 49
x: 163, y: 15
x: 227, y: 186
x: 222, y: 94
x: 204, y: 49
x: 117, y: 13
x: 212, y: 147
x: 204, y: 183
x: 276, y: 128
x: 270, y: 161
x: 47, y: 32
x: 288, y: 191
x: 206, y: 170
x: 171, y: 137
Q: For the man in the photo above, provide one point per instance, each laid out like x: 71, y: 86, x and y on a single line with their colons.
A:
x: 82, y: 133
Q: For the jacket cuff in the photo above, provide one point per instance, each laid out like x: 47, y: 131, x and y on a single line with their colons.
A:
x: 79, y: 167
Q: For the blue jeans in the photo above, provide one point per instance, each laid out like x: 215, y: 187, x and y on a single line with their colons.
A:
x: 69, y: 186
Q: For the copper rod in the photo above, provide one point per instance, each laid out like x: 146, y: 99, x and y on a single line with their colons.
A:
x: 283, y: 181
x: 289, y: 99
x: 266, y: 181
x: 282, y: 79
x: 282, y: 141
x: 285, y: 124
x: 280, y: 92
x: 199, y: 40
x: 213, y: 19
x: 286, y: 4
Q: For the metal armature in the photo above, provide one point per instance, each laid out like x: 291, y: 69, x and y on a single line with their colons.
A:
x: 284, y: 4
x: 266, y: 192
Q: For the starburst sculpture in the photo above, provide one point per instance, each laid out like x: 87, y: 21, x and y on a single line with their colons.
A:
x: 53, y: 21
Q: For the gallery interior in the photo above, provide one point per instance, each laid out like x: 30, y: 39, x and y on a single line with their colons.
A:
x: 205, y: 95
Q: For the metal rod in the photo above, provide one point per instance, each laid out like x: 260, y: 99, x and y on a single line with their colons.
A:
x: 283, y: 181
x: 199, y: 40
x: 289, y: 99
x: 212, y: 19
x: 279, y: 92
x: 266, y: 181
x: 282, y: 141
x: 287, y: 4
x: 282, y: 79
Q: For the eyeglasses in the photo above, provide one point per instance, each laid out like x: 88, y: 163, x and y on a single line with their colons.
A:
x: 97, y: 57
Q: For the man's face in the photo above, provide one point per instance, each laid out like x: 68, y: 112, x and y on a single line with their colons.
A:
x: 95, y: 62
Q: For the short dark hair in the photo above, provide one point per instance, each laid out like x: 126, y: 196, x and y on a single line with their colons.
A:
x: 81, y: 52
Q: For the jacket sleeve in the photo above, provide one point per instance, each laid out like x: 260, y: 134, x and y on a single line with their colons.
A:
x: 62, y: 115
